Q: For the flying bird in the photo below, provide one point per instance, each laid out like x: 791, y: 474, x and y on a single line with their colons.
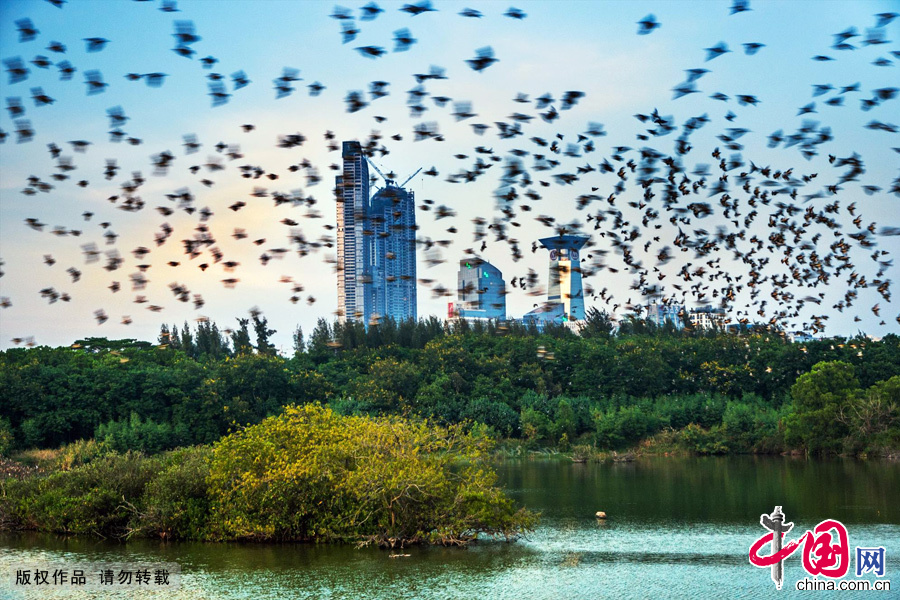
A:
x: 751, y: 48
x: 154, y: 80
x: 341, y: 13
x: 371, y: 51
x: 27, y: 30
x: 94, y: 81
x: 66, y: 70
x: 515, y: 13
x: 403, y: 39
x: 483, y: 59
x: 419, y: 8
x: 39, y: 97
x: 717, y: 51
x: 740, y: 6
x: 218, y: 93
x: 41, y: 62
x: 647, y: 25
x: 95, y: 44
x: 348, y: 31
x: 885, y: 19
x: 370, y: 11
x: 185, y: 33
x: 239, y: 80
x: 16, y: 68
x: 315, y: 88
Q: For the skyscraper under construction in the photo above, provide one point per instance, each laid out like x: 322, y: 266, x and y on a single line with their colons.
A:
x: 376, y: 244
x: 393, y: 217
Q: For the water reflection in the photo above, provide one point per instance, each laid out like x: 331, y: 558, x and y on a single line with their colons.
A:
x: 710, y: 489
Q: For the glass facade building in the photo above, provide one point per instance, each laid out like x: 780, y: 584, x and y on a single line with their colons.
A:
x: 392, y: 216
x: 481, y: 291
x: 659, y: 314
x: 352, y: 195
x: 376, y: 244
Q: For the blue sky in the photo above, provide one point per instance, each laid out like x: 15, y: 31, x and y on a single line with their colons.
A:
x: 592, y: 47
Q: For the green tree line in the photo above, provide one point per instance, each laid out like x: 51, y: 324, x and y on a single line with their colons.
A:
x: 610, y: 390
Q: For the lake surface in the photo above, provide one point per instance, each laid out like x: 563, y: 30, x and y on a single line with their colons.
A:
x: 677, y: 527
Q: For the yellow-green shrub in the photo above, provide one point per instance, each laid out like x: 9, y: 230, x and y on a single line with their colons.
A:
x: 312, y: 474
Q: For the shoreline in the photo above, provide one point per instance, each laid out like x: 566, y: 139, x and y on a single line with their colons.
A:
x: 641, y: 457
x: 25, y: 464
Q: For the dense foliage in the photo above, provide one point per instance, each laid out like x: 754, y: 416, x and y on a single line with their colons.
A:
x: 312, y: 474
x: 94, y: 498
x: 396, y: 454
x: 307, y: 474
x: 552, y: 387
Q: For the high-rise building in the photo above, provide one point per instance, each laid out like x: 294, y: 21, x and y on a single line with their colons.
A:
x: 661, y: 313
x: 393, y: 222
x: 376, y: 244
x: 481, y: 291
x: 352, y: 191
x: 565, y: 273
x: 707, y: 317
x: 565, y: 294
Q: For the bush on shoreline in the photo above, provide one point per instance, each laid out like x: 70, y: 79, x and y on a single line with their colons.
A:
x: 94, y: 498
x: 311, y: 474
x: 308, y: 474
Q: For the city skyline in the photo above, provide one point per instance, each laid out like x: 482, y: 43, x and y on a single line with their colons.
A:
x: 515, y: 145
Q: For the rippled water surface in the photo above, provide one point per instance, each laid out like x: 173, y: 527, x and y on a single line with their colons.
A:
x: 676, y: 528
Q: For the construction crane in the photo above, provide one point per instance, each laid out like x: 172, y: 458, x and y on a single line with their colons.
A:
x: 390, y: 180
x: 410, y: 177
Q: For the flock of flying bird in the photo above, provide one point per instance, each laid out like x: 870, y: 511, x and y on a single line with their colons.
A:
x: 787, y: 228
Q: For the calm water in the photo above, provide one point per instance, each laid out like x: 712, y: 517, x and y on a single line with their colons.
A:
x: 677, y: 528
